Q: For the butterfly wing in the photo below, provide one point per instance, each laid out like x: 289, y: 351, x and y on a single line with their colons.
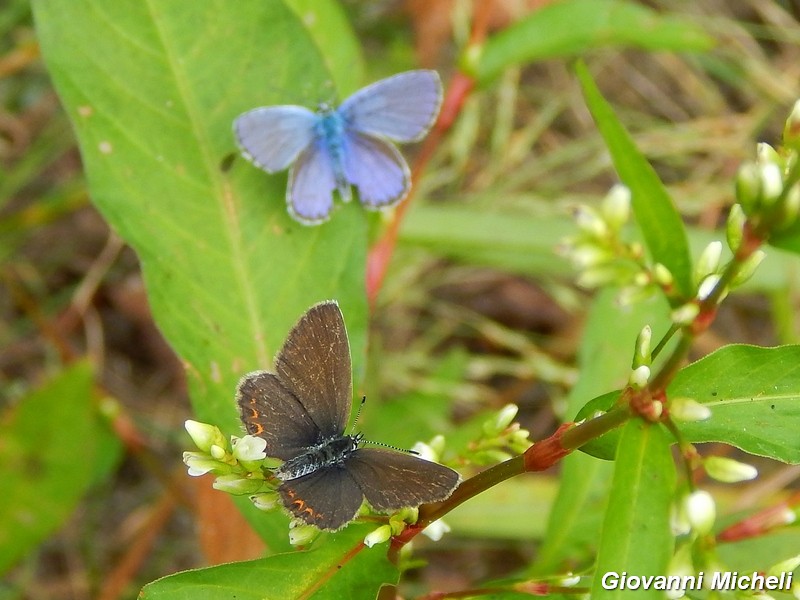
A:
x: 309, y: 194
x: 377, y: 169
x: 392, y: 480
x: 272, y: 137
x: 328, y: 498
x: 314, y: 365
x: 270, y: 411
x: 402, y: 108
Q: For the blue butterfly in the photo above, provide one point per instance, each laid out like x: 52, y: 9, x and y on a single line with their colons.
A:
x: 335, y: 148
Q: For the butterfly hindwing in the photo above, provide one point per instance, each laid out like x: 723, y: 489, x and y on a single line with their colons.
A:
x: 272, y: 137
x: 328, y: 498
x: 314, y: 365
x: 377, y: 169
x: 392, y: 480
x: 270, y: 411
x: 309, y: 194
x: 401, y: 108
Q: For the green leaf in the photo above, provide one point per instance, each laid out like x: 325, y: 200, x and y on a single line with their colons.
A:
x: 604, y: 360
x: 754, y: 397
x: 335, y: 568
x: 753, y: 394
x: 658, y: 219
x: 636, y: 534
x: 152, y: 90
x: 53, y: 446
x: 572, y: 27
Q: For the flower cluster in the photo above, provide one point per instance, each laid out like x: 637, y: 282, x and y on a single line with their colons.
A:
x: 238, y: 465
x: 501, y: 438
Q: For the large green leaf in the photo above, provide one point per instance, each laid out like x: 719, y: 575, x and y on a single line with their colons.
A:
x: 754, y: 397
x: 636, y: 534
x: 656, y: 215
x: 753, y: 394
x: 569, y: 27
x: 53, y: 446
x: 152, y: 89
x: 326, y: 571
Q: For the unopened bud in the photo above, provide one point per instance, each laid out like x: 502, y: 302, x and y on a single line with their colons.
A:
x: 642, y: 354
x: 748, y: 186
x: 791, y: 207
x: 502, y: 419
x: 708, y: 262
x: 748, y: 267
x: 265, y: 501
x: 300, y: 533
x: 707, y: 286
x: 734, y: 228
x: 684, y: 315
x: 204, y: 435
x: 688, y: 410
x: 591, y: 223
x: 378, y: 536
x: 791, y: 130
x: 784, y: 566
x: 771, y: 182
x: 663, y: 276
x: 728, y: 470
x: 616, y: 207
x: 436, y: 530
x: 235, y: 484
x: 639, y: 377
x: 701, y: 511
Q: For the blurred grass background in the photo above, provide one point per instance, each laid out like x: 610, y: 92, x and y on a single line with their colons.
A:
x: 476, y: 308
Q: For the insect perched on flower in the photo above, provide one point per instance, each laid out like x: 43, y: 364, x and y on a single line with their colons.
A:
x: 351, y: 145
x: 301, y: 411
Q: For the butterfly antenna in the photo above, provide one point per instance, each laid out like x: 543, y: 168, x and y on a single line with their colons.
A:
x: 358, y: 413
x: 362, y: 440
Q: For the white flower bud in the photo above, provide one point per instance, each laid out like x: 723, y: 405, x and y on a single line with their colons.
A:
x: 616, y: 207
x: 436, y: 530
x: 639, y: 377
x: 734, y: 228
x: 684, y: 315
x: 204, y: 435
x: 728, y: 470
x: 300, y: 533
x: 701, y: 511
x: 378, y: 536
x: 708, y: 262
x: 688, y: 410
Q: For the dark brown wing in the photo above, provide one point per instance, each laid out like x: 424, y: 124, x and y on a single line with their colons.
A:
x: 314, y: 365
x: 328, y: 498
x: 270, y: 411
x: 392, y: 480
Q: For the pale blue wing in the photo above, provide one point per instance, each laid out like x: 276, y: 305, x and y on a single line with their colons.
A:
x: 377, y: 169
x: 401, y: 108
x: 273, y: 136
x: 309, y: 194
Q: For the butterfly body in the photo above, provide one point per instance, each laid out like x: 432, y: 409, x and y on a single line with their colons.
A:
x: 329, y: 453
x: 351, y: 145
x: 301, y: 411
x: 330, y: 130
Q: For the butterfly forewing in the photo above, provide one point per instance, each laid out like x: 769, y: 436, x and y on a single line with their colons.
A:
x: 328, y: 498
x: 402, y: 108
x: 270, y: 411
x: 377, y: 169
x: 272, y: 137
x: 404, y: 480
x: 314, y: 365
